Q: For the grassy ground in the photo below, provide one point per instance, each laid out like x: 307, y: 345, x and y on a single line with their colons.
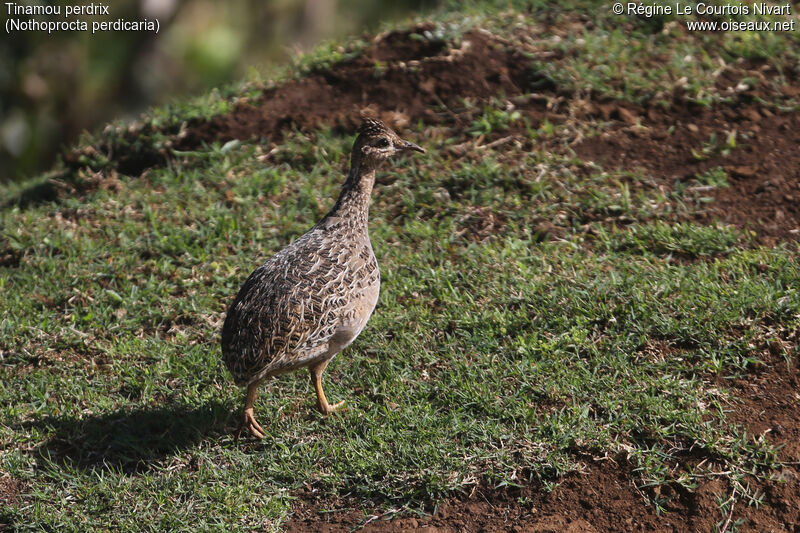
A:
x: 501, y: 350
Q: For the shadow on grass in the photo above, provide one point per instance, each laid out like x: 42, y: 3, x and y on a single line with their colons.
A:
x: 132, y: 441
x: 38, y: 193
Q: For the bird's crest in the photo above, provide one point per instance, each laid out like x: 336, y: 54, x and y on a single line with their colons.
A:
x: 373, y: 127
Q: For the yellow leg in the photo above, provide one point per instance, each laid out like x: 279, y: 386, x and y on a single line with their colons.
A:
x: 248, y: 419
x: 316, y: 379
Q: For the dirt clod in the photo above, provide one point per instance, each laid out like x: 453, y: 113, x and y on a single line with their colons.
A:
x: 10, y: 489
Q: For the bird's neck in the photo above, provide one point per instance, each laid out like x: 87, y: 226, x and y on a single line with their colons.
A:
x: 354, y: 200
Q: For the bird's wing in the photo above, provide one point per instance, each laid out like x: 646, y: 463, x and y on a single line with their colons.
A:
x: 290, y: 307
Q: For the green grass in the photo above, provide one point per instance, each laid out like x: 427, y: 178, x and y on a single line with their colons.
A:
x: 491, y: 357
x: 534, y: 308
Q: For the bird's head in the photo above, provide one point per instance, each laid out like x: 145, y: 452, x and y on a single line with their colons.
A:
x: 376, y: 143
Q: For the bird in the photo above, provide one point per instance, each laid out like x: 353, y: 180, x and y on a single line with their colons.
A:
x: 311, y: 299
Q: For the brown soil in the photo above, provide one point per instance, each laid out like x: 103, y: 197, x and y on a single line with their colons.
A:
x: 770, y: 409
x: 763, y: 169
x: 604, y: 497
x: 410, y: 80
x: 10, y: 490
x: 417, y: 77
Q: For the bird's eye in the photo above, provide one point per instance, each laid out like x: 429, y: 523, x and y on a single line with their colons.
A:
x: 382, y: 143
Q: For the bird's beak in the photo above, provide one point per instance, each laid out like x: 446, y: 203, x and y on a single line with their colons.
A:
x: 407, y: 145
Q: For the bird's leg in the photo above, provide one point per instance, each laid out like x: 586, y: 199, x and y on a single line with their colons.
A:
x: 316, y: 378
x: 248, y: 419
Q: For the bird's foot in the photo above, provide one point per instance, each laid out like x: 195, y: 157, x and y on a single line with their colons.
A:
x: 250, y: 424
x: 327, y: 409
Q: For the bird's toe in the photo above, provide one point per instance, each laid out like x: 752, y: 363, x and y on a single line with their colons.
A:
x: 329, y: 409
x: 250, y: 423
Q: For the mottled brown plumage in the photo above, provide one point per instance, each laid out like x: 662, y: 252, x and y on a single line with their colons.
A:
x: 312, y: 298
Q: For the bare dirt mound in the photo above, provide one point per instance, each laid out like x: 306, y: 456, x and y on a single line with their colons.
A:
x: 408, y: 76
x: 755, y: 146
x: 401, y: 76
